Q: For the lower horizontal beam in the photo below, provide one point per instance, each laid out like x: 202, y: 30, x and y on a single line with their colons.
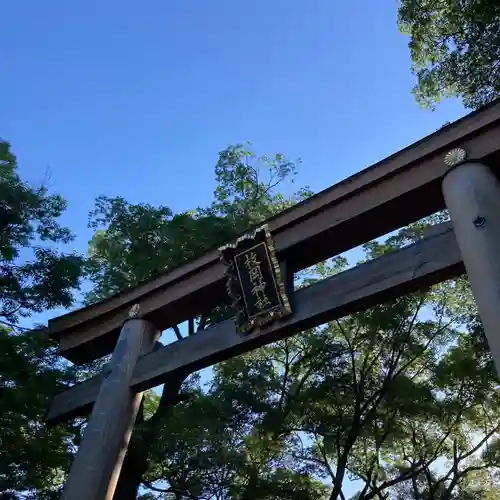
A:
x: 431, y: 260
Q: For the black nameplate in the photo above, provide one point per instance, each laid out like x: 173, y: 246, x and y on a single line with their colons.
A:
x: 254, y: 280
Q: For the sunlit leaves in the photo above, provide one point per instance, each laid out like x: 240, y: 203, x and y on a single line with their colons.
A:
x: 455, y: 49
x: 43, y: 278
x: 33, y: 278
x: 133, y: 242
x: 381, y: 396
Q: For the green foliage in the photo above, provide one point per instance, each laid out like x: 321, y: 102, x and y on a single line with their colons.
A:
x: 402, y: 401
x: 245, y: 194
x: 33, y: 278
x: 455, y: 49
x: 140, y: 240
x: 397, y: 397
x: 134, y: 242
x: 33, y: 457
x: 28, y: 219
x: 402, y: 397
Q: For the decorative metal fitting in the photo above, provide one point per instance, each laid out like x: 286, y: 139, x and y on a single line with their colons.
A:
x: 134, y: 311
x: 455, y: 157
x: 479, y: 221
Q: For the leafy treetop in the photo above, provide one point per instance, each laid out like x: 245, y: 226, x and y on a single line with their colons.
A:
x: 455, y: 49
x: 28, y: 221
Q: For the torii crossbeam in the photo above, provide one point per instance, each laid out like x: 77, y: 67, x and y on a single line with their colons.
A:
x: 456, y: 168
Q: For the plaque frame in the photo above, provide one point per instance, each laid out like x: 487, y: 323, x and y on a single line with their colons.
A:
x: 258, y: 240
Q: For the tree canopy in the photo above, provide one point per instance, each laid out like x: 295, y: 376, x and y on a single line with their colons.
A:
x: 401, y: 398
x: 398, y: 402
x: 455, y: 49
x: 33, y: 277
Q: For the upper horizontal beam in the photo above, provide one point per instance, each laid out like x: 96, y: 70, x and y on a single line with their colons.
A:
x: 384, y: 197
x: 429, y: 261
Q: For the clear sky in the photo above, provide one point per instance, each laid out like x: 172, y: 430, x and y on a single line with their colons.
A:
x: 136, y: 98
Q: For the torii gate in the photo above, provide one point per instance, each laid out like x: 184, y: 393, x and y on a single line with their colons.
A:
x: 456, y: 168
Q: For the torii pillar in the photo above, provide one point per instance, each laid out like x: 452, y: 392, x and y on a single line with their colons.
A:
x: 96, y: 467
x: 471, y: 192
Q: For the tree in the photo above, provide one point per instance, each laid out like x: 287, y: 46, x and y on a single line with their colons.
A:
x: 455, y: 49
x: 391, y: 397
x: 132, y: 243
x: 398, y: 397
x: 401, y: 397
x: 28, y: 220
x: 33, y: 278
x: 34, y: 458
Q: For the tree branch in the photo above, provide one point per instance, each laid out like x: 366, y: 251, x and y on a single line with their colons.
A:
x: 351, y: 353
x: 178, y: 333
x: 330, y: 471
x: 479, y: 444
x: 168, y: 399
x: 285, y: 375
x: 171, y: 489
x: 414, y: 469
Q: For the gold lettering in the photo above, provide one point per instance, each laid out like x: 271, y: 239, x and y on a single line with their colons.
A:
x: 257, y: 280
x: 262, y: 303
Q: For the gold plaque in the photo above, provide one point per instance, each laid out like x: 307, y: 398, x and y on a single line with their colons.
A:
x: 254, y: 280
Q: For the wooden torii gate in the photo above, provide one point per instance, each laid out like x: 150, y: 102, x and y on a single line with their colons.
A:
x: 456, y: 168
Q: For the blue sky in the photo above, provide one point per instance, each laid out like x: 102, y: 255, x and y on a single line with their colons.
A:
x: 136, y: 99
x: 122, y: 98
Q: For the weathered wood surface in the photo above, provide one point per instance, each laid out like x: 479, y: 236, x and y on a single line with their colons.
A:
x: 429, y: 261
x: 388, y: 195
x: 472, y: 194
x: 96, y: 467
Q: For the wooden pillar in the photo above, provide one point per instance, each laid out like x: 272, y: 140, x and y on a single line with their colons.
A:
x: 96, y: 467
x: 472, y: 194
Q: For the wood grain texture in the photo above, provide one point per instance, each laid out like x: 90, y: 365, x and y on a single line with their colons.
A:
x: 96, y: 467
x: 472, y: 194
x: 429, y: 261
x: 361, y: 210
